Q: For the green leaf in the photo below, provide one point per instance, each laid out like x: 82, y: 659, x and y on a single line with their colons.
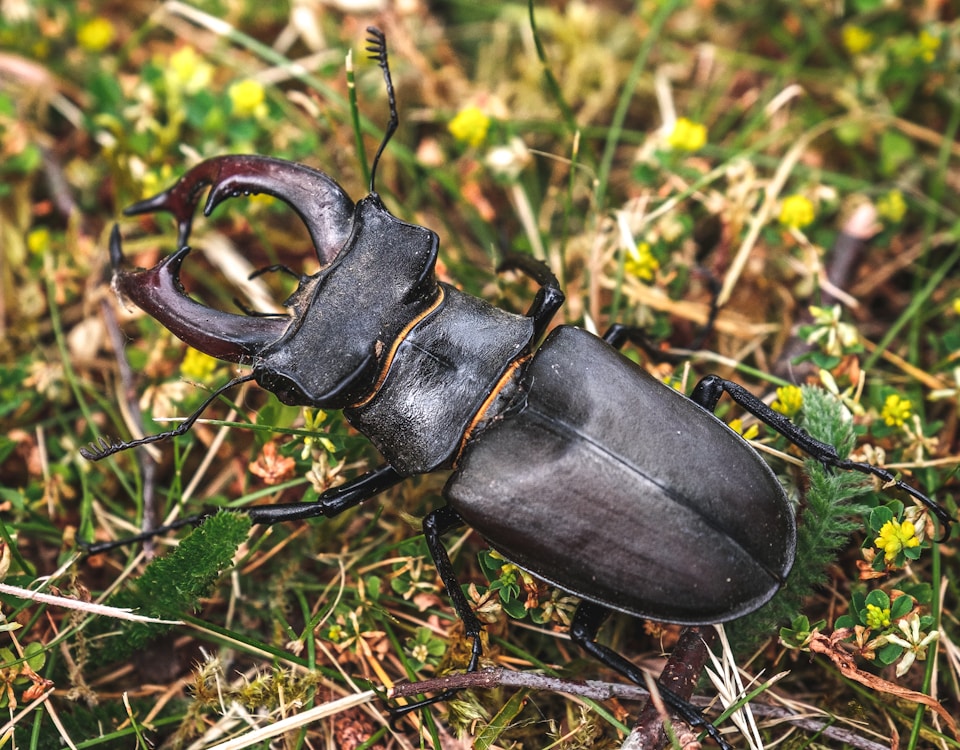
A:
x: 889, y: 654
x: 900, y: 607
x: 36, y: 655
x: 878, y: 598
x: 895, y: 151
x: 504, y: 719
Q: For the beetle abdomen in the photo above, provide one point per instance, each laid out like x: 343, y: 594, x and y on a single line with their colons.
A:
x: 600, y: 462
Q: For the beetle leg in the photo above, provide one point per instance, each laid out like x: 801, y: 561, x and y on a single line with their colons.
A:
x: 435, y: 525
x: 708, y: 391
x: 331, y: 503
x: 619, y: 335
x: 586, y: 623
x: 549, y: 297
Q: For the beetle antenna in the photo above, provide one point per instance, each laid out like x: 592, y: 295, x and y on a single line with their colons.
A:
x: 377, y: 47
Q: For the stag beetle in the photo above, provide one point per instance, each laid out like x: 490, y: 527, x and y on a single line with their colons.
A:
x: 547, y: 460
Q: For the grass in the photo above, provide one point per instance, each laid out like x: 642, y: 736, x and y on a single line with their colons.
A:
x: 600, y: 137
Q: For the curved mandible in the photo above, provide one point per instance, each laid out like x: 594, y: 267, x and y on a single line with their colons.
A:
x: 326, y: 210
x: 159, y: 293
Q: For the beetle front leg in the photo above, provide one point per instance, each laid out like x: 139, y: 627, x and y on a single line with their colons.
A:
x: 709, y: 390
x: 331, y: 503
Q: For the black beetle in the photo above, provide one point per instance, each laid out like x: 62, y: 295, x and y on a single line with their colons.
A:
x: 566, y: 457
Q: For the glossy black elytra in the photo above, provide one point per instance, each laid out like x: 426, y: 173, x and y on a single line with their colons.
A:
x: 566, y: 457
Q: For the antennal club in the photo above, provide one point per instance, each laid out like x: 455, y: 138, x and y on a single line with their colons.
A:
x: 377, y: 47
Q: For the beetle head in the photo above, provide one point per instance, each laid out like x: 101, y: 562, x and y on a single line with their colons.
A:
x: 376, y: 275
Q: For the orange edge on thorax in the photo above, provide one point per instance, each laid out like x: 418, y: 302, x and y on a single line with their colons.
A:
x: 388, y: 361
x: 488, y: 401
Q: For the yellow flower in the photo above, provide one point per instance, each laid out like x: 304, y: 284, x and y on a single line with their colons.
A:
x: 877, y: 617
x: 198, y: 366
x: 470, y: 126
x: 892, y: 206
x: 188, y: 70
x: 248, y: 98
x: 895, y: 537
x: 96, y: 34
x: 687, y: 135
x: 641, y: 262
x: 154, y: 181
x: 956, y: 306
x: 856, y: 39
x: 927, y: 46
x: 313, y: 422
x: 737, y: 426
x: 789, y: 400
x: 38, y: 241
x: 796, y: 211
x: 896, y: 410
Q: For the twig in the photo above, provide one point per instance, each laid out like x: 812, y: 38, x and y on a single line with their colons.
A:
x: 89, y: 607
x: 598, y: 690
x: 145, y: 458
x: 680, y: 676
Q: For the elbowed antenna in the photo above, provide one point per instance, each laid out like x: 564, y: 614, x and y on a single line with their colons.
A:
x: 377, y: 47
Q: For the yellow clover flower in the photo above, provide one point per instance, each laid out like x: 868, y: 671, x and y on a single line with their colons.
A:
x: 892, y: 206
x: 789, y: 400
x: 38, y: 241
x: 198, y: 366
x: 797, y: 211
x: 188, y: 70
x: 737, y: 426
x: 927, y: 46
x: 856, y: 39
x: 877, y: 617
x: 896, y: 410
x: 641, y: 262
x: 248, y: 98
x: 895, y: 537
x: 470, y: 126
x: 687, y: 135
x: 96, y: 34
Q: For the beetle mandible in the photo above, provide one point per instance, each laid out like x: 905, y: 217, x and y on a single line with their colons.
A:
x: 547, y: 464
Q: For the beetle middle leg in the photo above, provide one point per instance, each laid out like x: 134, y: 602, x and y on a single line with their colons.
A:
x: 435, y: 525
x: 331, y: 503
x: 549, y: 297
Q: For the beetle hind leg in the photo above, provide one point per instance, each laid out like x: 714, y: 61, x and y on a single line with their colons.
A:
x: 709, y: 390
x: 583, y: 631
